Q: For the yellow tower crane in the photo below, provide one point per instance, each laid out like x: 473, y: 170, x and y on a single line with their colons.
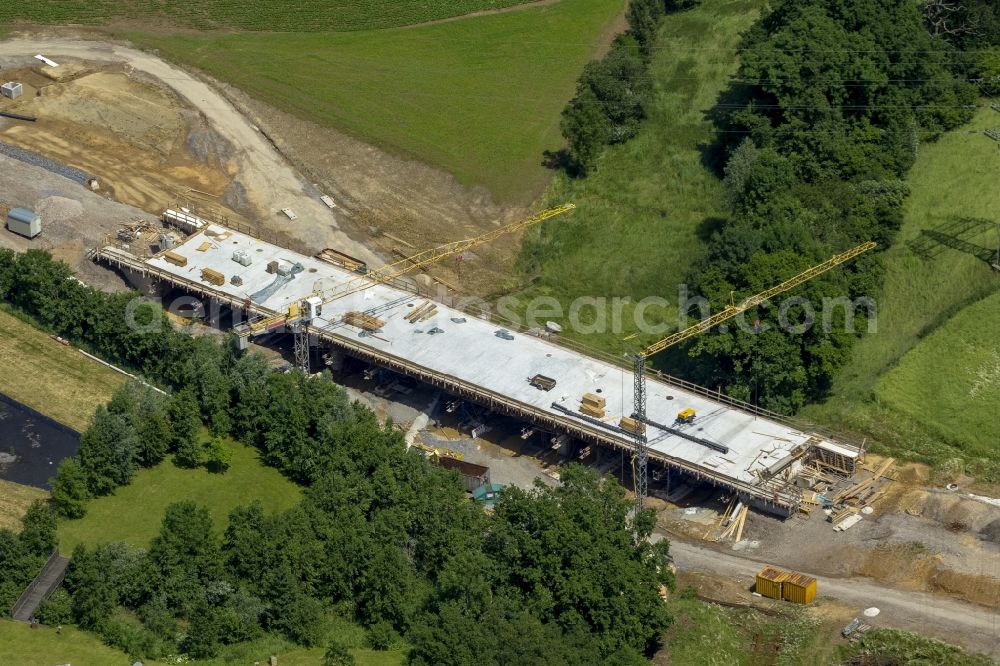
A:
x: 299, y: 314
x: 639, y: 358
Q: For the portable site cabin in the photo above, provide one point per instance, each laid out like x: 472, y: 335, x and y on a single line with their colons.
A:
x: 787, y: 585
x: 24, y: 222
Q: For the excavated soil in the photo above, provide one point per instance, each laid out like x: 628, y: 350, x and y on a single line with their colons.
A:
x: 144, y: 146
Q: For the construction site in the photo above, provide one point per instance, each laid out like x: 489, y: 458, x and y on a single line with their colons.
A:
x: 567, y: 398
x: 157, y: 182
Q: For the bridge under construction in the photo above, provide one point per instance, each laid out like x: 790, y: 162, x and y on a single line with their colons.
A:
x: 553, y: 387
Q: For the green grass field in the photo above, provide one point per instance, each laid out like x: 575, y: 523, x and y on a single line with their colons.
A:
x: 479, y: 97
x: 706, y: 634
x: 953, y: 177
x: 55, y: 380
x: 24, y: 646
x: 636, y: 229
x: 135, y: 511
x: 951, y: 379
x: 269, y: 15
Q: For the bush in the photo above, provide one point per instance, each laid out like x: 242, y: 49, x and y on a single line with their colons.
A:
x: 69, y: 489
x: 57, y: 609
x: 338, y: 655
x: 38, y: 529
x: 218, y: 456
x: 381, y: 636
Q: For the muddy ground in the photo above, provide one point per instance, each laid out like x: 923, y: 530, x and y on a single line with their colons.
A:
x: 397, y: 205
x: 145, y: 148
x: 919, y: 538
x: 151, y: 147
x: 74, y: 219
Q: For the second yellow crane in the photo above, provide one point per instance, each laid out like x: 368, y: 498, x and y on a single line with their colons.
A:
x: 688, y: 415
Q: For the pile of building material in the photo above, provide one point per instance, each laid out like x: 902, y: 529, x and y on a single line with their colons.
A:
x: 213, y: 277
x: 733, y: 519
x: 175, y: 259
x: 425, y: 310
x: 338, y: 258
x: 542, y: 383
x: 592, y: 404
x: 631, y: 425
x: 363, y: 321
x: 865, y: 492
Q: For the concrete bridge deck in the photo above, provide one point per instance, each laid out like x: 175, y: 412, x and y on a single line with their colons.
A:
x: 468, y: 358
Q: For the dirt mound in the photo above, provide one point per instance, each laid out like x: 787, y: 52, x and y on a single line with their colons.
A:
x: 979, y: 589
x: 991, y: 532
x: 901, y: 564
x: 59, y: 209
x: 140, y: 114
x: 950, y: 509
x: 913, y: 473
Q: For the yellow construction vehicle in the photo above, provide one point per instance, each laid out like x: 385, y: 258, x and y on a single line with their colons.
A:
x: 686, y: 416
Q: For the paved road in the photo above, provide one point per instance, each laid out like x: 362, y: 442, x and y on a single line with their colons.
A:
x: 271, y: 182
x: 975, y: 627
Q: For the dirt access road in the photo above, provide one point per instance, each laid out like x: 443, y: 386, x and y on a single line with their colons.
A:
x: 974, y: 627
x: 271, y: 183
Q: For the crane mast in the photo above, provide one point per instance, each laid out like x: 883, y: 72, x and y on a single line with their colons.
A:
x: 731, y: 310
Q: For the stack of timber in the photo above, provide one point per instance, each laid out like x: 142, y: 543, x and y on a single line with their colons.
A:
x: 363, y: 321
x: 425, y: 310
x: 213, y: 277
x: 338, y: 258
x: 735, y: 528
x: 592, y: 405
x: 175, y: 259
x: 631, y: 425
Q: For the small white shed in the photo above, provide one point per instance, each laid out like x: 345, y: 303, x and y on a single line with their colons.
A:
x: 24, y: 222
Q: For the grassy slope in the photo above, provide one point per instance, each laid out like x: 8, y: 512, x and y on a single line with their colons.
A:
x: 135, y: 511
x: 24, y: 646
x: 14, y: 501
x: 479, y: 97
x: 954, y: 177
x: 58, y: 381
x: 710, y: 635
x: 278, y: 15
x: 636, y: 230
x: 953, y: 377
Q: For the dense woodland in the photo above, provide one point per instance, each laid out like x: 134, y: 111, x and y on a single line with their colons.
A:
x: 817, y: 131
x: 382, y: 537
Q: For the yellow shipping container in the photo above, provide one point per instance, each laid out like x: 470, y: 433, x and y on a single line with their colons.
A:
x: 769, y: 582
x: 786, y: 585
x: 798, y: 588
